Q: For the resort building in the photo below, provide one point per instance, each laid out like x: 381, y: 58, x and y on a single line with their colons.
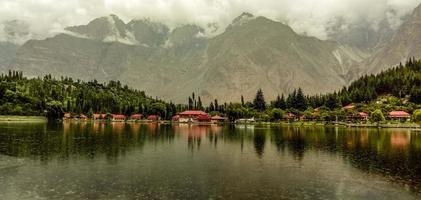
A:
x: 136, y: 117
x: 399, y: 115
x: 118, y: 117
x: 218, y: 119
x: 99, y: 116
x: 67, y: 116
x: 193, y: 116
x: 153, y: 118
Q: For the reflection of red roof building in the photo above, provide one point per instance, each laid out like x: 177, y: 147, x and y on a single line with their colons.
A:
x: 399, y: 115
x: 119, y: 117
x: 153, y: 117
x: 136, y: 117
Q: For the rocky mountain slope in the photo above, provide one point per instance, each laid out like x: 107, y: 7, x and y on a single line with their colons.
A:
x: 402, y: 45
x: 253, y: 52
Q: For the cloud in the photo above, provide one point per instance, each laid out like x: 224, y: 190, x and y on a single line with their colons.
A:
x: 312, y: 17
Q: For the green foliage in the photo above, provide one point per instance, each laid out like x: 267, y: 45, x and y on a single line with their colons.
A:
x: 377, y: 116
x: 52, y: 98
x: 417, y: 115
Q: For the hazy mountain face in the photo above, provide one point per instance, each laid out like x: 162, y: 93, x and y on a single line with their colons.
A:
x: 400, y: 46
x: 252, y: 53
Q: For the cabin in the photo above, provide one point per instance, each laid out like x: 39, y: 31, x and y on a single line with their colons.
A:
x: 399, y: 115
x: 67, y: 116
x: 218, y: 119
x: 118, y: 117
x: 136, y: 117
x: 289, y: 116
x: 203, y: 118
x: 245, y: 121
x: 99, y: 116
x: 175, y: 118
x: 363, y: 116
x: 193, y: 116
x: 82, y: 117
x: 153, y: 118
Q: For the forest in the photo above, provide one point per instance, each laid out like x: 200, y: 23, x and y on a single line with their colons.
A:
x: 52, y: 97
x: 398, y: 88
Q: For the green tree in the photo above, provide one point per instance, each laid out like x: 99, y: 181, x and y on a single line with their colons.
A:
x: 259, y: 102
x: 377, y: 116
x: 416, y: 116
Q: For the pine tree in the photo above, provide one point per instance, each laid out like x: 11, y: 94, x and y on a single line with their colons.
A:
x: 259, y: 102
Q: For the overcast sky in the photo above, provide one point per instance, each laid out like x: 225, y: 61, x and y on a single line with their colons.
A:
x: 313, y: 17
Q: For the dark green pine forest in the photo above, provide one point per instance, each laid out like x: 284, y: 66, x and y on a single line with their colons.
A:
x: 50, y: 97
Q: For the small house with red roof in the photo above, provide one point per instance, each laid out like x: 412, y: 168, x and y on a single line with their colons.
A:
x: 218, y: 119
x: 99, y: 116
x: 67, y: 116
x: 118, y: 117
x: 136, y: 117
x: 153, y: 118
x: 399, y: 115
x: 175, y: 118
x: 289, y: 116
x: 193, y: 116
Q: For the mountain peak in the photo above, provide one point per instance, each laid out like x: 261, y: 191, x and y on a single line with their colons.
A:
x: 243, y: 18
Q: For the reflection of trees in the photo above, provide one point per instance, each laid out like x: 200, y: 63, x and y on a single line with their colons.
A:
x: 67, y: 140
x: 259, y: 140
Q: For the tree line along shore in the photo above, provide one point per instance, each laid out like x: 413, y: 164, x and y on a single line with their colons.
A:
x: 390, y: 97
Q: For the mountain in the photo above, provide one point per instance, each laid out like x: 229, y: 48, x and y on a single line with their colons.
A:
x: 402, y: 45
x: 252, y: 53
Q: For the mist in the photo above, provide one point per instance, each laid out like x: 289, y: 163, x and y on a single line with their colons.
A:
x: 44, y: 18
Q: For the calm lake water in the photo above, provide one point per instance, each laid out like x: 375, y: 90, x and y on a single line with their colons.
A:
x: 133, y: 161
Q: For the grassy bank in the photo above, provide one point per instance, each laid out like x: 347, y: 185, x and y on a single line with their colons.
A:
x: 14, y: 118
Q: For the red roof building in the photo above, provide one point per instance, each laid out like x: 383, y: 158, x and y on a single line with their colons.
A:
x: 136, y: 117
x: 193, y: 116
x: 119, y: 117
x: 153, y: 117
x: 218, y: 118
x: 363, y: 115
x: 67, y: 116
x: 399, y: 115
x: 175, y: 118
x: 99, y: 116
x: 203, y: 118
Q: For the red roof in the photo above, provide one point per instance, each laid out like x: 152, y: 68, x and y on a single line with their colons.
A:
x: 175, y: 117
x: 119, y: 117
x: 217, y: 117
x: 153, y: 117
x: 193, y: 112
x: 363, y: 114
x: 203, y: 118
x: 350, y: 106
x: 399, y: 114
x: 136, y: 116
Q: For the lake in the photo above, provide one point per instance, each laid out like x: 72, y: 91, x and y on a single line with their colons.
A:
x: 150, y: 161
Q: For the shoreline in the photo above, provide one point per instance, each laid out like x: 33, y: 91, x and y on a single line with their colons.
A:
x: 17, y: 118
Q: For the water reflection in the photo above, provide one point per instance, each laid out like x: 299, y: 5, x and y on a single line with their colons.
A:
x: 392, y: 153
